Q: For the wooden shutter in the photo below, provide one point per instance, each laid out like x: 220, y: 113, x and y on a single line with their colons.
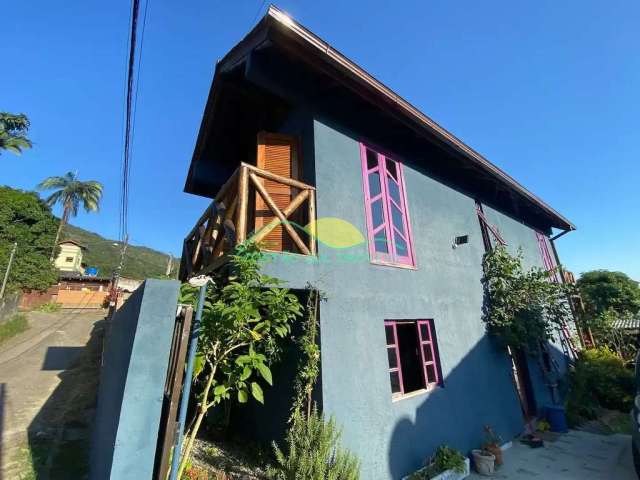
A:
x: 277, y: 154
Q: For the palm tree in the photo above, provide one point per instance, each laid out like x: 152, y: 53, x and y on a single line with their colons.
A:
x: 13, y: 132
x: 71, y: 193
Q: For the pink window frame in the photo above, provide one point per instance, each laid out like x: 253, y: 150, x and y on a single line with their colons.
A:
x: 430, y: 341
x: 390, y: 258
x: 394, y: 345
x: 547, y: 260
x: 484, y: 223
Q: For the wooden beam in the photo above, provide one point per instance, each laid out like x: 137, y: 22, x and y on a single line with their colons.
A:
x: 281, y: 216
x: 228, y: 184
x: 278, y: 178
x: 243, y: 203
x: 312, y: 222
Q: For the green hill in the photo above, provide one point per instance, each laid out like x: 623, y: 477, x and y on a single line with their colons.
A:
x: 139, y: 262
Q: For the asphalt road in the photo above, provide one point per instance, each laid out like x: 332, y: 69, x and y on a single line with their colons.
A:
x: 30, y: 364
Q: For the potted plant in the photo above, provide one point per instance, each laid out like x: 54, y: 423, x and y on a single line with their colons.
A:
x: 492, y: 443
x: 445, y: 464
x: 483, y: 461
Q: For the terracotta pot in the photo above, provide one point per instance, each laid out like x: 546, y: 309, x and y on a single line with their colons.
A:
x: 496, y: 451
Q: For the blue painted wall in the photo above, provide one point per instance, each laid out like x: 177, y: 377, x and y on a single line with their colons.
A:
x: 132, y: 381
x: 392, y: 438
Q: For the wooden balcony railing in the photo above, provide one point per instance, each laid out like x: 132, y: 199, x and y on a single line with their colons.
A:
x: 225, y: 223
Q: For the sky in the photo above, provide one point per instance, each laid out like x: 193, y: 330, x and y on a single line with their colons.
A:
x: 547, y: 90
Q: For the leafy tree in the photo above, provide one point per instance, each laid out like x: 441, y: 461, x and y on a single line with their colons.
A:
x: 522, y: 307
x: 71, y: 193
x: 243, y: 323
x: 13, y: 132
x: 603, y: 290
x: 27, y: 220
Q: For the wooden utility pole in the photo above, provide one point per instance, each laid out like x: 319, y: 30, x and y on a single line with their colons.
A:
x: 6, y: 273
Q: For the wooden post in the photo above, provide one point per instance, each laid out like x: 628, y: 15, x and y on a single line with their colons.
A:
x: 243, y: 203
x: 283, y: 218
x: 312, y: 222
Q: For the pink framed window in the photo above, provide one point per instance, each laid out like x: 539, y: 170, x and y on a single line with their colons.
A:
x: 486, y: 228
x: 388, y: 226
x: 412, y: 356
x: 548, y: 259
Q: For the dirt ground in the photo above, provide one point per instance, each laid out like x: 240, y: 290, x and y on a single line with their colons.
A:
x: 48, y: 380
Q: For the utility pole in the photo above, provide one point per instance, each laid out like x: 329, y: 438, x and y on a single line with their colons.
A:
x: 6, y: 273
x: 169, y: 265
x: 116, y: 276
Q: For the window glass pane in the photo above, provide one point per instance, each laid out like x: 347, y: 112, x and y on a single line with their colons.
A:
x: 393, y: 360
x: 394, y: 377
x: 372, y: 159
x: 380, y: 242
x: 392, y: 168
x: 424, y: 332
x: 394, y: 191
x: 377, y: 215
x: 388, y: 330
x: 401, y: 246
x: 396, y: 214
x: 374, y: 184
x: 431, y: 373
x: 426, y: 350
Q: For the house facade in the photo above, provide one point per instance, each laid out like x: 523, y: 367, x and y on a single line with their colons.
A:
x: 69, y: 258
x: 389, y: 215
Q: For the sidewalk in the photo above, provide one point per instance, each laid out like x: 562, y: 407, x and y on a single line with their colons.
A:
x: 576, y: 455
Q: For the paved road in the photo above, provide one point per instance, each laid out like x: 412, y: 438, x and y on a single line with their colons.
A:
x: 573, y: 456
x: 29, y: 367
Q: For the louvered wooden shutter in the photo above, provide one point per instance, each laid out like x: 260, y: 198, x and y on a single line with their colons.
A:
x: 277, y: 154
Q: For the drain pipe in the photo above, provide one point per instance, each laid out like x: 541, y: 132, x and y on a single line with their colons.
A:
x: 200, y: 281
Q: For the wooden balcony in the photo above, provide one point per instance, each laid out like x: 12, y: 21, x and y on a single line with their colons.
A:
x: 245, y: 209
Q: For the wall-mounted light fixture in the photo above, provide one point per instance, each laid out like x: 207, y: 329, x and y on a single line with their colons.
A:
x: 460, y: 240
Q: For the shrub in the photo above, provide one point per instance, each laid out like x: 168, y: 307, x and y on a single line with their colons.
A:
x: 444, y: 458
x: 313, y: 452
x: 599, y: 379
x: 50, y: 307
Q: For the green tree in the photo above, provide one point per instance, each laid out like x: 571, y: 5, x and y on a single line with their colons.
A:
x: 27, y: 220
x: 243, y: 323
x: 13, y: 132
x: 71, y: 193
x: 603, y: 290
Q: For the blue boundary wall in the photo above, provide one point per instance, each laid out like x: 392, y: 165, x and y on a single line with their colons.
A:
x: 132, y: 381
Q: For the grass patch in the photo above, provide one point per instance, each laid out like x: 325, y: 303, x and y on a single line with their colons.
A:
x: 12, y: 327
x: 618, y: 422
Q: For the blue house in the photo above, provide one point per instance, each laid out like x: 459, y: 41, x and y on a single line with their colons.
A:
x: 359, y: 193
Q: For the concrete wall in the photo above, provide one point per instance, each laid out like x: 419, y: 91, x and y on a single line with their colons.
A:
x: 132, y: 383
x: 393, y: 438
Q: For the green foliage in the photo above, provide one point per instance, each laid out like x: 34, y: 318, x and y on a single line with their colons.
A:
x: 25, y: 219
x: 602, y: 291
x: 523, y: 307
x: 12, y: 327
x: 139, y: 262
x: 50, y: 307
x: 313, y: 452
x: 13, y: 132
x: 309, y: 367
x: 444, y: 458
x: 599, y: 379
x: 71, y: 194
x: 243, y: 324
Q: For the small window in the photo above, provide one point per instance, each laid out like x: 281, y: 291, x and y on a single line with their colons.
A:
x: 388, y: 225
x: 547, y: 258
x: 69, y: 259
x: 412, y: 355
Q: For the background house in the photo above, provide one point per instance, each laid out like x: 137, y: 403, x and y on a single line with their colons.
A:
x: 69, y: 258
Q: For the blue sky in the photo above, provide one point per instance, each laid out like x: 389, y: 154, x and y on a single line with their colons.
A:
x: 546, y: 90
